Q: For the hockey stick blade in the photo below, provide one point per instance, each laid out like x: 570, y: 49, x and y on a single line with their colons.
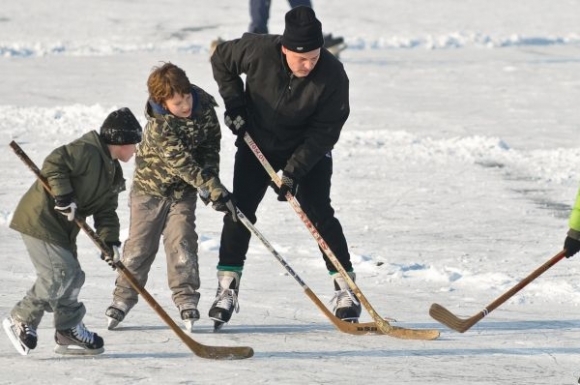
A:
x: 200, y: 350
x: 439, y: 313
x: 450, y: 320
x: 371, y: 327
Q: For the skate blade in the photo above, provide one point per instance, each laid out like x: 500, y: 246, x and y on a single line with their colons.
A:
x: 112, y: 323
x: 22, y: 349
x: 74, y: 350
x: 188, y: 324
x: 217, y: 325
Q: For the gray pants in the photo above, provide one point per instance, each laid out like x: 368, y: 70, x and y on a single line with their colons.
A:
x: 59, y: 279
x: 151, y: 218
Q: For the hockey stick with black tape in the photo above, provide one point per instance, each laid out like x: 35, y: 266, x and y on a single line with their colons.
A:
x: 204, y: 351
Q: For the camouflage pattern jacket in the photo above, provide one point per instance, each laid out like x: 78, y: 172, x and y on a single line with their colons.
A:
x: 85, y: 168
x: 177, y: 156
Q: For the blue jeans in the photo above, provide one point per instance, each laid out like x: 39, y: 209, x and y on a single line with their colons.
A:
x: 260, y: 13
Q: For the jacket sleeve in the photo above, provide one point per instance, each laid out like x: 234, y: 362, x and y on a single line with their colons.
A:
x: 174, y: 154
x: 75, y: 161
x: 574, y: 220
x: 210, y: 159
x: 324, y: 129
x: 107, y: 224
x: 62, y: 164
x: 208, y: 154
x: 228, y: 62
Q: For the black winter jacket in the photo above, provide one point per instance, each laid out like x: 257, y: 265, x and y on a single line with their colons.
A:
x: 297, y: 120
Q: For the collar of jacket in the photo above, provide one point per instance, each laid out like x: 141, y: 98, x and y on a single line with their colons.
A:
x: 158, y: 109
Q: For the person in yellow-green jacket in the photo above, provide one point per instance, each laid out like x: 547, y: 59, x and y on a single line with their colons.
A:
x: 572, y: 242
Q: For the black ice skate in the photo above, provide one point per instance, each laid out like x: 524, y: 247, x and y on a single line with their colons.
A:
x: 347, y: 306
x: 335, y: 45
x: 22, y: 336
x: 226, y: 300
x: 78, y: 340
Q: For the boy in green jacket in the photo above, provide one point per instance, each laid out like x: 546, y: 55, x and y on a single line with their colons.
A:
x: 85, y: 177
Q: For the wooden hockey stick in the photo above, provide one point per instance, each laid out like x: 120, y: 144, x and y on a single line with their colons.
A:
x: 384, y: 326
x: 204, y: 351
x: 450, y: 320
x: 343, y: 326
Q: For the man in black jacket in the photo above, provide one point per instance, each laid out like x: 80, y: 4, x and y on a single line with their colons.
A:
x: 294, y: 104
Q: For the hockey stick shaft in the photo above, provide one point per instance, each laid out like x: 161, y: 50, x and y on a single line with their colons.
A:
x: 204, y: 351
x: 450, y: 320
x: 343, y: 326
x: 383, y: 325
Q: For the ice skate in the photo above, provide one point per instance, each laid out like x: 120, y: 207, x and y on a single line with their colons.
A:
x: 347, y: 306
x: 78, y: 340
x: 335, y: 45
x: 116, y: 313
x: 189, y: 316
x: 226, y: 300
x: 114, y: 317
x: 22, y: 336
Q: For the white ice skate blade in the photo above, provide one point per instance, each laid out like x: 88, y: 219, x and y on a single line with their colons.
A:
x: 188, y: 323
x: 74, y: 350
x: 112, y: 323
x: 7, y: 324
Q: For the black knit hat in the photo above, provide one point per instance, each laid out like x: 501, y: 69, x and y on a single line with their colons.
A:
x: 303, y: 32
x: 121, y: 127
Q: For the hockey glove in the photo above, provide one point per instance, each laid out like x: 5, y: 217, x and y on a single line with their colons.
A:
x: 237, y: 120
x: 64, y: 205
x: 225, y: 204
x: 572, y: 246
x: 289, y: 185
x: 113, y: 255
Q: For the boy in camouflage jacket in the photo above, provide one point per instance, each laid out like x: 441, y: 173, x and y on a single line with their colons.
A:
x: 178, y: 158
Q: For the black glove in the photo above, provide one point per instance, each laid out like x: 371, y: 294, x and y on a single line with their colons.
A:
x: 289, y: 185
x: 237, y: 120
x: 225, y: 204
x: 65, y: 205
x: 572, y: 246
x: 113, y: 255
